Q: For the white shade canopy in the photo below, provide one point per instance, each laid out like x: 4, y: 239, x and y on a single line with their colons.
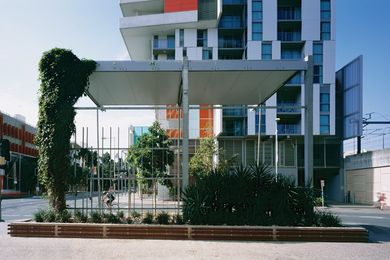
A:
x: 220, y: 82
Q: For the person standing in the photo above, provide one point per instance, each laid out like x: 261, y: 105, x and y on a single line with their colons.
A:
x: 382, y: 200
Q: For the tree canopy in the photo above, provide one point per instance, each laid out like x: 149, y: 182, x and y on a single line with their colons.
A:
x: 151, y: 154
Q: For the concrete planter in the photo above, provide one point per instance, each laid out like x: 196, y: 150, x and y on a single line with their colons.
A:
x: 187, y: 232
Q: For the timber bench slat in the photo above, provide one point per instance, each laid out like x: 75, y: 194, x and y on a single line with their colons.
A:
x: 131, y: 231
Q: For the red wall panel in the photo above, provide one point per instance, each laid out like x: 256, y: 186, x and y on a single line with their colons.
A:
x: 180, y: 5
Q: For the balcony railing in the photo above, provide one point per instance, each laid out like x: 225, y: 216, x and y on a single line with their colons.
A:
x: 289, y: 129
x: 234, y: 112
x: 230, y: 43
x: 289, y: 13
x: 234, y: 2
x: 230, y: 22
x: 289, y: 36
x: 288, y: 107
x: 163, y: 44
x: 296, y: 80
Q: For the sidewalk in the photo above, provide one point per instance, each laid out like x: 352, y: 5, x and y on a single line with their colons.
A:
x: 62, y: 248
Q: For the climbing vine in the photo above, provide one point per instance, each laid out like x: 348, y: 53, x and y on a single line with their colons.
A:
x: 64, y: 79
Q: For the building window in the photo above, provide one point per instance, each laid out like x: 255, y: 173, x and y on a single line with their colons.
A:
x: 325, y: 31
x: 257, y: 10
x: 325, y: 10
x: 317, y: 53
x: 266, y: 51
x: 291, y: 53
x: 207, y: 54
x: 257, y: 17
x: 317, y: 72
x: 170, y: 56
x: 324, y: 102
x: 262, y: 127
x: 202, y: 38
x: 181, y: 37
x: 257, y: 31
x: 324, y: 124
x: 171, y: 41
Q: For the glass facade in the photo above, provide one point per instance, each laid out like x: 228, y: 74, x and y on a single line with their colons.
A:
x: 266, y: 51
x: 324, y: 124
x: 325, y: 20
x: 257, y: 18
x: 201, y: 38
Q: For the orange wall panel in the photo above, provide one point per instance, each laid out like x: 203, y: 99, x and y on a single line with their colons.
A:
x: 180, y: 5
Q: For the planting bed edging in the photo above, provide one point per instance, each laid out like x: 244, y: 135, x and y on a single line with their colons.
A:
x: 188, y: 232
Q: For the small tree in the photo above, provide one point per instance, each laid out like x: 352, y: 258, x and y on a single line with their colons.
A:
x: 202, y: 163
x: 151, y: 154
x: 64, y: 79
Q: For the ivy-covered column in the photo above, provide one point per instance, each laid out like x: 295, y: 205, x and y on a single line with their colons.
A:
x: 64, y: 79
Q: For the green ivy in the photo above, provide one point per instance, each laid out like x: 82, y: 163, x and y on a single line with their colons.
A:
x: 64, y: 79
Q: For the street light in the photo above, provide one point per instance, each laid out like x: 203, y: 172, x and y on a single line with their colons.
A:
x: 276, y: 148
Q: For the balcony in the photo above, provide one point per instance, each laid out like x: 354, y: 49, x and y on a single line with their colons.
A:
x: 230, y: 22
x: 289, y: 129
x: 230, y: 43
x: 296, y: 80
x: 234, y: 2
x: 289, y: 107
x: 164, y: 44
x: 289, y: 13
x: 289, y: 36
x: 234, y: 112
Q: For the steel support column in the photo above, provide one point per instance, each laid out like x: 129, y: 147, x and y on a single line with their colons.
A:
x: 185, y: 106
x: 309, y: 122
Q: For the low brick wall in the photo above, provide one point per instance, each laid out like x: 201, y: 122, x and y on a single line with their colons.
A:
x: 187, y: 232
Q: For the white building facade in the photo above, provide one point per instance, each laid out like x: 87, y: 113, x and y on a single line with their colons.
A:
x: 250, y: 30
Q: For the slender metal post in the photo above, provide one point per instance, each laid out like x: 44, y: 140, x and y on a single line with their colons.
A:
x: 309, y: 122
x: 97, y: 164
x: 259, y: 136
x: 185, y: 121
x: 276, y: 149
x: 178, y: 162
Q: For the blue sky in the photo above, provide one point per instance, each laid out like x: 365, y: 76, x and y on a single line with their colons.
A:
x: 91, y: 29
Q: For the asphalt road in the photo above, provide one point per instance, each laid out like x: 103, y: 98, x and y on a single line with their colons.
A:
x: 376, y: 221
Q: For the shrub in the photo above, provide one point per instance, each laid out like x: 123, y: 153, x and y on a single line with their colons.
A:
x: 50, y: 216
x: 128, y: 220
x: 247, y: 196
x: 163, y: 218
x: 148, y: 219
x: 136, y: 217
x: 39, y: 216
x: 96, y: 217
x: 79, y: 217
x: 111, y: 218
x: 121, y: 214
x: 327, y: 219
x: 177, y: 219
x: 63, y: 216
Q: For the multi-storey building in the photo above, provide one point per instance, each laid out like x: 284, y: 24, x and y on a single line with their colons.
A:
x: 251, y: 30
x: 21, y: 170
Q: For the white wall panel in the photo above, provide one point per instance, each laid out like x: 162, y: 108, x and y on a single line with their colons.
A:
x: 194, y: 53
x: 276, y: 50
x: 270, y: 116
x: 212, y: 37
x: 311, y: 20
x: 254, y: 50
x: 251, y: 122
x: 329, y: 54
x: 270, y: 16
x: 190, y: 36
